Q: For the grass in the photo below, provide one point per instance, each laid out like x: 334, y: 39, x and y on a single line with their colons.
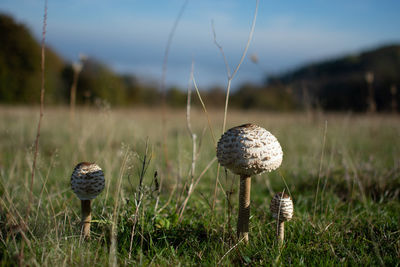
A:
x: 353, y: 220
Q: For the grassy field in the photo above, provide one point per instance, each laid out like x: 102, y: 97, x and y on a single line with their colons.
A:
x: 342, y: 171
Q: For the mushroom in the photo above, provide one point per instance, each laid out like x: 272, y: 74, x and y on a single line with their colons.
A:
x: 248, y: 150
x: 87, y: 181
x: 282, y: 210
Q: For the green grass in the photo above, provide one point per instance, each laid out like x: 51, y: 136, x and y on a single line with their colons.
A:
x: 353, y: 220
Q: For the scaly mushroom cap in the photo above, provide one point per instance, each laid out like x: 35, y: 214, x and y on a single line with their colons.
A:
x: 87, y: 180
x: 249, y: 149
x: 281, y: 207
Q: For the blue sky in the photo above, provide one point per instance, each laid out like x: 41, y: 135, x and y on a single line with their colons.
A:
x: 131, y: 35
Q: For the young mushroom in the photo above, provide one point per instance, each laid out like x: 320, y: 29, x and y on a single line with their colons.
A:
x: 282, y: 210
x: 87, y: 181
x: 247, y: 150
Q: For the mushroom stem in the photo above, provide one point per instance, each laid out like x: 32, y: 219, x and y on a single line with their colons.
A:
x: 86, y: 218
x: 244, y: 208
x: 280, y: 232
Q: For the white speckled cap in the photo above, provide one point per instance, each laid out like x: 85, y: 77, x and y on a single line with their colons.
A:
x: 281, y: 207
x: 249, y: 149
x: 87, y: 180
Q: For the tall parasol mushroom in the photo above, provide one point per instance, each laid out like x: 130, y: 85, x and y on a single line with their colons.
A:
x: 247, y: 150
x: 87, y: 181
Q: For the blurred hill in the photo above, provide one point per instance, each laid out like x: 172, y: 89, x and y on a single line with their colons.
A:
x: 347, y: 83
x: 20, y: 59
x: 20, y: 65
x: 354, y: 82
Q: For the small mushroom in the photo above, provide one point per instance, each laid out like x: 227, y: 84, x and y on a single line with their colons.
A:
x: 247, y: 150
x: 87, y: 181
x: 282, y: 210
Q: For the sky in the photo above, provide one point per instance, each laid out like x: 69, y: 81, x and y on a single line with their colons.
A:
x: 131, y: 35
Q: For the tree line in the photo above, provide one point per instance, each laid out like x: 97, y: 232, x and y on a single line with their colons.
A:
x: 353, y: 82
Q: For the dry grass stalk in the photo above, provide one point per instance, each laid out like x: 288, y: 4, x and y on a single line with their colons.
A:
x: 193, y: 136
x: 42, y: 91
x: 163, y: 79
x: 193, y: 186
x: 230, y: 77
x: 139, y: 196
x: 229, y: 250
x: 193, y: 183
x: 205, y: 110
x: 77, y: 68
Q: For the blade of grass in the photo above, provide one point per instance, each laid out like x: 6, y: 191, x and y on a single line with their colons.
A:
x: 320, y: 168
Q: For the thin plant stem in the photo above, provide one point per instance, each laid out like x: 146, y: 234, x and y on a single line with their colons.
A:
x: 230, y: 78
x: 168, y: 46
x: 76, y: 68
x: 73, y: 95
x: 157, y: 189
x: 228, y: 71
x: 140, y: 195
x: 189, y: 127
x: 193, y: 185
x: 163, y: 80
x: 194, y: 138
x: 42, y: 90
x: 229, y: 250
x: 286, y: 185
x: 205, y: 110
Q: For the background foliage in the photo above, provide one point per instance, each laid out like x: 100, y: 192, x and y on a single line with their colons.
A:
x: 337, y: 84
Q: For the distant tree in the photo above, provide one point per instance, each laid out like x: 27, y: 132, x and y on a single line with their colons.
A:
x: 176, y: 97
x: 20, y: 66
x: 252, y: 96
x: 19, y: 63
x: 337, y: 84
x: 133, y: 88
x: 214, y: 97
x: 97, y: 81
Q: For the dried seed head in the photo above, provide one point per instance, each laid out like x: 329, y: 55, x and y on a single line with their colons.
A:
x: 281, y: 207
x: 249, y: 149
x: 87, y: 180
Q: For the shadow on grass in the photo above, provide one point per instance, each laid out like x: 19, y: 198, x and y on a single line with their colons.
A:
x: 187, y: 239
x: 182, y: 240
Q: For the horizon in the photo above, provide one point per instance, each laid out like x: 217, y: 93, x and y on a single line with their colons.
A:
x: 133, y: 38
